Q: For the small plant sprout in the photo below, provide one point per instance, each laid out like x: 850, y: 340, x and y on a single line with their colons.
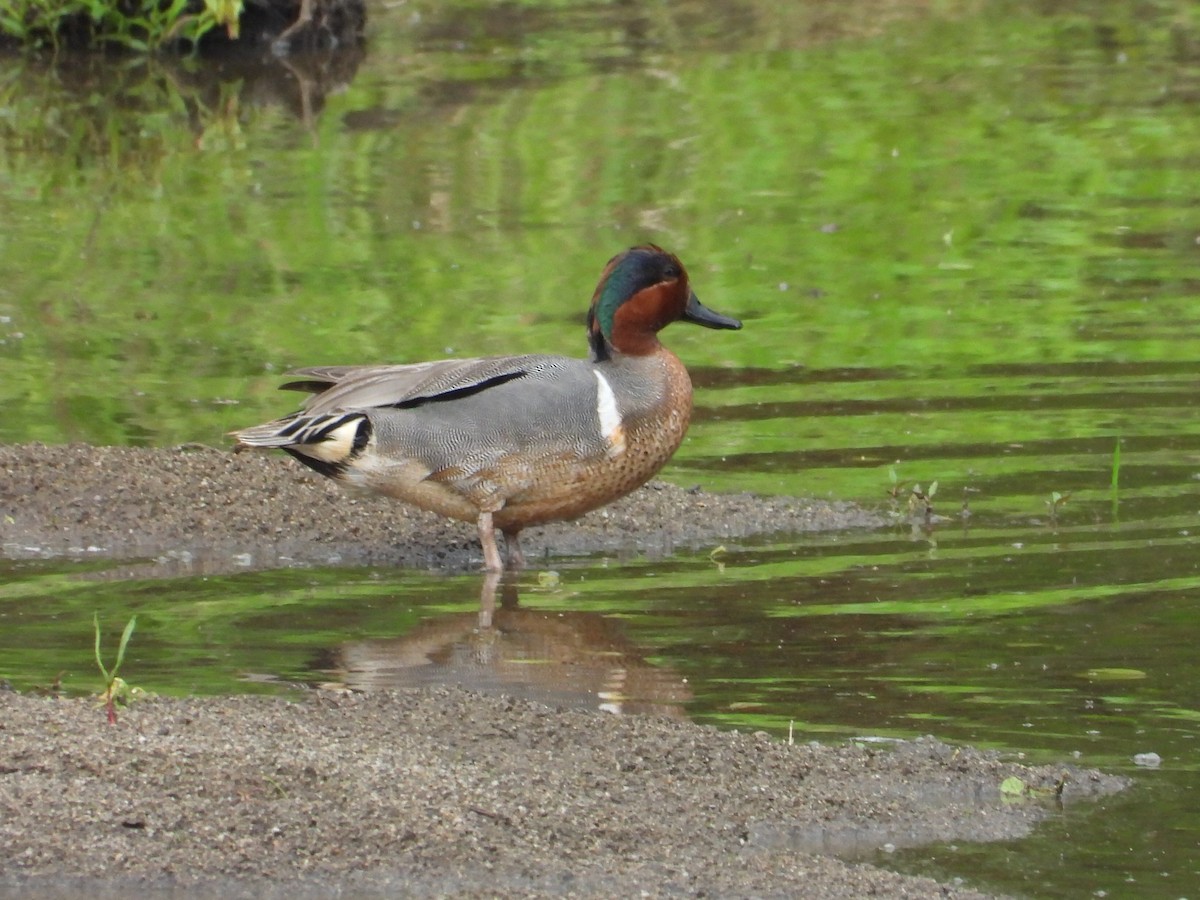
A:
x: 1055, y: 503
x: 896, y: 484
x: 115, y: 688
x: 921, y: 502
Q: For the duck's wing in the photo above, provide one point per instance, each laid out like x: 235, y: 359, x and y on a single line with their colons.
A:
x: 339, y: 388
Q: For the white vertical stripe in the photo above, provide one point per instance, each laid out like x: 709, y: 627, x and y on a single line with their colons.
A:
x: 610, y: 416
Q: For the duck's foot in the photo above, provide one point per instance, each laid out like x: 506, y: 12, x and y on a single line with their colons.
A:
x: 487, y: 540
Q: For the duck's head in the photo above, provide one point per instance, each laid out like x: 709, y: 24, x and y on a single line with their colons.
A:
x: 641, y: 291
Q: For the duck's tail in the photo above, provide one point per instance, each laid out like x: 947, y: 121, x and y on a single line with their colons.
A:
x: 326, y: 443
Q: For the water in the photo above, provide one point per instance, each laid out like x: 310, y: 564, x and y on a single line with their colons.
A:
x: 965, y: 246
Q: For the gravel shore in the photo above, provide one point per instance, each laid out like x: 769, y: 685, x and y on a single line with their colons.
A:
x: 446, y: 792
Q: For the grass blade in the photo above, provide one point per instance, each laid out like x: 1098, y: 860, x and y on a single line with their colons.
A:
x: 99, y: 661
x: 125, y: 635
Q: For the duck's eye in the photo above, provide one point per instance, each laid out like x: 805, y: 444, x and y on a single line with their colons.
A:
x: 671, y: 271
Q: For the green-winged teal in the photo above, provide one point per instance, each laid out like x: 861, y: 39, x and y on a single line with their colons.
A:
x: 512, y: 441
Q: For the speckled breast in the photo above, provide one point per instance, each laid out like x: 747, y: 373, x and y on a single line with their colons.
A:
x: 651, y: 428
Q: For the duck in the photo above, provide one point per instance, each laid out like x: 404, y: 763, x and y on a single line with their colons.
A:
x: 507, y: 442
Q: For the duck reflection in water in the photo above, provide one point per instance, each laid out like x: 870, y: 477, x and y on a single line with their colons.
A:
x: 567, y: 658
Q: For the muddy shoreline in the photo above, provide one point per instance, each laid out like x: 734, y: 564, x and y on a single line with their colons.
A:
x: 265, y: 510
x: 438, y: 790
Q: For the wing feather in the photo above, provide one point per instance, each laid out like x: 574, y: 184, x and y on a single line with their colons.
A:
x: 339, y: 388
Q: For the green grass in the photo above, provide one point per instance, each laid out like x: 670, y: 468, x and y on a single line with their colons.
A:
x: 136, y: 25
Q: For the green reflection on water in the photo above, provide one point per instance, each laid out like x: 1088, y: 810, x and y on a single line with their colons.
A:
x: 923, y: 209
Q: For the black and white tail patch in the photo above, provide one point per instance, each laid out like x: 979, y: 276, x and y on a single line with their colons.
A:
x: 325, y: 443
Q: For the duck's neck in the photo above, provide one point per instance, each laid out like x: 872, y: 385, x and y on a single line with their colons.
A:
x: 630, y: 343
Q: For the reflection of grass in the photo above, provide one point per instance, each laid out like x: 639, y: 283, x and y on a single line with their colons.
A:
x: 295, y: 251
x: 130, y: 121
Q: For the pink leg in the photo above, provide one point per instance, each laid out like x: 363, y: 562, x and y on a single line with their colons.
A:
x: 512, y: 543
x: 487, y: 540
